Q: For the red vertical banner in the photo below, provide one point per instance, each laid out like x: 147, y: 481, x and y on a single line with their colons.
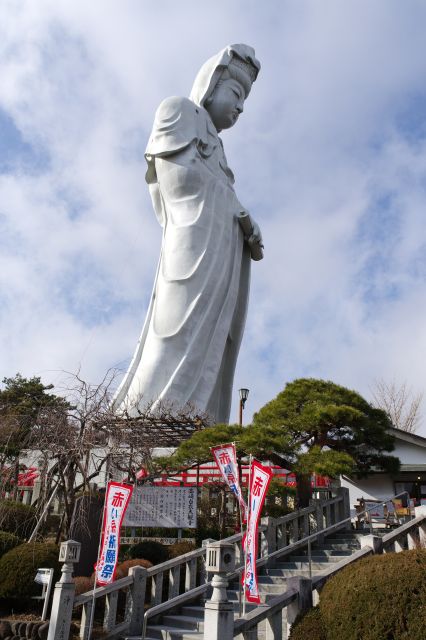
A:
x: 116, y: 500
x: 260, y: 478
x: 226, y: 460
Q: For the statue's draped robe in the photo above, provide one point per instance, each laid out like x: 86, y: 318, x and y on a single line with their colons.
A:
x: 190, y: 341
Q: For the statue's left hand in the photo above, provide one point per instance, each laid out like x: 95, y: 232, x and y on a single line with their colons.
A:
x: 256, y: 236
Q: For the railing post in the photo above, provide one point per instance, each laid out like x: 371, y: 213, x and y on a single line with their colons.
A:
x: 86, y: 617
x: 319, y: 521
x: 412, y: 540
x: 421, y: 511
x: 110, y: 615
x: 269, y: 536
x: 294, y: 529
x: 190, y: 574
x: 63, y: 597
x: 274, y: 626
x: 304, y: 599
x: 375, y: 542
x: 136, y: 601
x: 219, y: 611
x: 345, y: 505
x: 398, y: 546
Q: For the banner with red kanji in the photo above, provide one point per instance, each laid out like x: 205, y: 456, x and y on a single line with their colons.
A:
x: 116, y: 500
x: 260, y: 479
x: 226, y: 460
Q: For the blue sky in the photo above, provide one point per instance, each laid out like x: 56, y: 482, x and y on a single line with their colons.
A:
x: 329, y: 157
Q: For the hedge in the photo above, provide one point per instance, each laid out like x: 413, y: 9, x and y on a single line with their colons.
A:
x: 180, y: 547
x: 18, y: 569
x: 150, y: 550
x: 309, y: 627
x: 7, y: 542
x: 17, y: 518
x: 380, y: 597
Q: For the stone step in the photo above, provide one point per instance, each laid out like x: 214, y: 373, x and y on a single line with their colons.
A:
x: 194, y: 611
x: 265, y: 589
x: 323, y: 553
x: 353, y: 543
x: 319, y: 557
x: 165, y: 632
x: 349, y: 535
x: 283, y: 567
x: 280, y: 579
x: 346, y: 546
x: 183, y: 622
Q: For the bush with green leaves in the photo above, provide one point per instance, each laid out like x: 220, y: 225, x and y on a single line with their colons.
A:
x: 180, y: 547
x: 150, y: 550
x: 309, y: 626
x: 7, y: 542
x: 17, y: 518
x: 380, y: 597
x: 18, y: 568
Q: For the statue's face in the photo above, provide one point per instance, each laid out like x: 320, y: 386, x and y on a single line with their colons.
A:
x: 226, y: 103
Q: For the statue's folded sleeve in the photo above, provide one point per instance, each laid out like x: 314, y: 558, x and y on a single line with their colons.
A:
x: 177, y: 124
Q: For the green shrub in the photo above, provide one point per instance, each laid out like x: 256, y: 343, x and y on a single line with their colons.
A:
x: 7, y: 542
x: 378, y: 598
x: 310, y: 626
x: 179, y: 548
x: 150, y: 550
x: 18, y: 568
x: 17, y: 518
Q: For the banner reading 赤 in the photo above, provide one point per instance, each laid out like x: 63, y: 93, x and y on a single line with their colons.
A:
x: 260, y: 479
x: 226, y: 459
x: 116, y: 500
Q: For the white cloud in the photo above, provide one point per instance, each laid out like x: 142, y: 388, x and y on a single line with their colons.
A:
x: 329, y: 156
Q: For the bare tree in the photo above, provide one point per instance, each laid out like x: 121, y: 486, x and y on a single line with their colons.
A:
x: 402, y: 405
x: 91, y: 438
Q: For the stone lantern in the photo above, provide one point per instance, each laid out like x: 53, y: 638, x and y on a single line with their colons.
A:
x: 219, y: 611
x: 69, y: 554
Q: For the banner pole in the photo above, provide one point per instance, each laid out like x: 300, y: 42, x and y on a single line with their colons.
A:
x: 92, y: 608
x: 247, y: 525
x: 240, y: 512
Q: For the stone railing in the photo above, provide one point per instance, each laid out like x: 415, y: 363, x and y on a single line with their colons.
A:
x: 150, y: 592
x: 280, y: 611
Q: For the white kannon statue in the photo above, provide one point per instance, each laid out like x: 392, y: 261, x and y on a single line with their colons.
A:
x: 192, y: 333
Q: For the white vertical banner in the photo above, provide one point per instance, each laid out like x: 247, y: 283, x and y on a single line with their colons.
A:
x: 226, y: 460
x: 260, y: 479
x: 116, y: 500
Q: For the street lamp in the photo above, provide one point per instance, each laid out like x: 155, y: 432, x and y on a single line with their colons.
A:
x: 243, y: 397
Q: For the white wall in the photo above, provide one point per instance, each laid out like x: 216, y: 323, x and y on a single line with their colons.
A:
x: 409, y: 453
x: 377, y: 487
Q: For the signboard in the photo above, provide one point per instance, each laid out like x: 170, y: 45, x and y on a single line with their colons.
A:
x: 137, y: 539
x: 374, y: 509
x: 162, y: 507
x: 43, y: 576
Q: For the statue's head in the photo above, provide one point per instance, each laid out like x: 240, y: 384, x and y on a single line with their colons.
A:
x: 224, y: 82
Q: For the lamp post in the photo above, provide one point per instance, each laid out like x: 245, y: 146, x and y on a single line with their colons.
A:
x: 243, y: 397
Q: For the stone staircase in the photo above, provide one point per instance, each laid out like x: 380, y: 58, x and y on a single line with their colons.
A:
x: 188, y: 622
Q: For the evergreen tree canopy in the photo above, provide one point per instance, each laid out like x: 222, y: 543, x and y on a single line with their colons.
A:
x: 330, y: 429
x: 22, y: 400
x: 312, y: 426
